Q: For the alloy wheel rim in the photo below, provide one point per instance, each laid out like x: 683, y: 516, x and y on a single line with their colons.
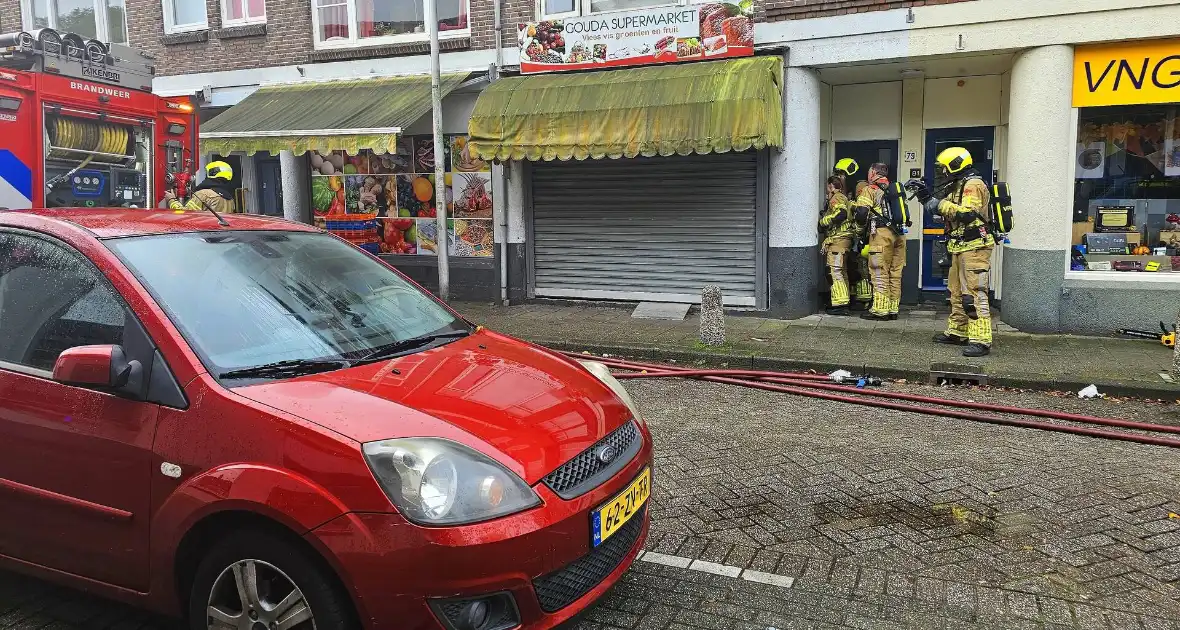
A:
x: 256, y: 595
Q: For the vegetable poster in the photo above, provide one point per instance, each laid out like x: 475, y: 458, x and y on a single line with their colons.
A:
x: 386, y: 202
x: 713, y: 30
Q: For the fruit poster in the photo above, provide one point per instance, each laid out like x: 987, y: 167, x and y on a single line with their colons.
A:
x: 385, y: 203
x: 712, y: 30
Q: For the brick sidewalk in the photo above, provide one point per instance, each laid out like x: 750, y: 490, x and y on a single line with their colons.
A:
x: 898, y: 349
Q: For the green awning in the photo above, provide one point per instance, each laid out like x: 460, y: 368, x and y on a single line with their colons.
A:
x: 347, y: 115
x: 684, y: 108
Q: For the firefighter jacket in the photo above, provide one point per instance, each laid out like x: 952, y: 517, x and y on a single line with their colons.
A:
x: 837, y: 221
x: 965, y: 211
x: 216, y: 197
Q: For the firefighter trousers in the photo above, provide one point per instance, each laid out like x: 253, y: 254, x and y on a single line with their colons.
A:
x: 836, y: 256
x: 887, y: 251
x: 971, y: 314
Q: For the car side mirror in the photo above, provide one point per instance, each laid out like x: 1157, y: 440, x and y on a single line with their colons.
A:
x: 95, y: 366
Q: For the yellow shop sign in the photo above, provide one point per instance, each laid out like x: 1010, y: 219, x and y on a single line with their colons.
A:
x: 1127, y: 74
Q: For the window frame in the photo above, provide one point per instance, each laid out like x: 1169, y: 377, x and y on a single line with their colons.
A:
x: 101, y: 26
x: 582, y: 8
x: 83, y: 262
x: 171, y: 28
x: 226, y: 21
x: 353, y: 41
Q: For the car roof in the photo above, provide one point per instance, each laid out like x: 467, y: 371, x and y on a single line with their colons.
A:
x: 123, y: 222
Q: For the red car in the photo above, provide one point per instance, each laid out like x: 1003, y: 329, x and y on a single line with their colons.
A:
x: 258, y: 426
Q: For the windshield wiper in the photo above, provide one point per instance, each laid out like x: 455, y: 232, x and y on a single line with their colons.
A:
x: 399, y: 348
x: 284, y: 369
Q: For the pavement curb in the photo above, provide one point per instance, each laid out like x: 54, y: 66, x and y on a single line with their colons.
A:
x: 1126, y: 389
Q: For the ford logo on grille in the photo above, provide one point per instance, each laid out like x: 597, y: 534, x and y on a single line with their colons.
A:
x: 606, y: 453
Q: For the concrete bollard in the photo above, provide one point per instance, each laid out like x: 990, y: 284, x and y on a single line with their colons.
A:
x: 712, y: 316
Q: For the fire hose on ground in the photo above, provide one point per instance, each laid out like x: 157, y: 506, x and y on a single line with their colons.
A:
x: 819, y: 386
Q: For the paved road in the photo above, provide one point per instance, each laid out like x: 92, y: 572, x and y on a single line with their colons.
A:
x: 804, y: 514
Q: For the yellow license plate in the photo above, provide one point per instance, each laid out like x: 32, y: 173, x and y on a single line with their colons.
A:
x: 612, y: 515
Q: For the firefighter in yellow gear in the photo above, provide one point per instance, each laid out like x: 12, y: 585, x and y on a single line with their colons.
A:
x: 970, y: 243
x: 216, y: 193
x: 838, y: 228
x: 864, y: 284
x: 847, y: 168
x: 886, y: 247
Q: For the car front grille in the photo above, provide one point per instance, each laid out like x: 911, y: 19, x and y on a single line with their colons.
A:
x: 586, y: 472
x: 563, y: 587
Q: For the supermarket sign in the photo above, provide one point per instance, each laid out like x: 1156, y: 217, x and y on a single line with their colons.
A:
x: 1134, y: 73
x: 716, y: 30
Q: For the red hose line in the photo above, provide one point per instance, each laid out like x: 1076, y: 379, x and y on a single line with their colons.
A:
x: 949, y: 413
x: 930, y: 400
x: 636, y: 365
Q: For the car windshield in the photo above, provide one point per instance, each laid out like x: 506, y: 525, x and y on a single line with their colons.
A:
x: 244, y: 300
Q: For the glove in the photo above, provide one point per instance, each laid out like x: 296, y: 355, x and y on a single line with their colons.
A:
x: 861, y: 214
x: 931, y: 205
x: 919, y: 189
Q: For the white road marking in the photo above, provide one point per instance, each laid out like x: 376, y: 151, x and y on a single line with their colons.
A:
x: 782, y: 581
x: 715, y: 569
x: 725, y: 570
x: 666, y: 560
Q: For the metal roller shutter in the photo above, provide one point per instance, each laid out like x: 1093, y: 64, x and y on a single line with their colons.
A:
x: 655, y: 229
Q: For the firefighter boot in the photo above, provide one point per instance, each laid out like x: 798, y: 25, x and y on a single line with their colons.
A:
x: 880, y: 310
x: 979, y: 333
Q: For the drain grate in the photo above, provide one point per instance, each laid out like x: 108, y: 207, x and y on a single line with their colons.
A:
x: 953, y: 374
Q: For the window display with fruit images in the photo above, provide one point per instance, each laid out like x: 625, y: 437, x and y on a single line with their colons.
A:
x: 385, y: 203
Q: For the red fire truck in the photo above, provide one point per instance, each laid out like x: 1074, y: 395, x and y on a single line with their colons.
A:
x: 81, y: 127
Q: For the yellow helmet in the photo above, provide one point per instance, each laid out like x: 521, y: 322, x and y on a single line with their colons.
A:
x: 954, y: 160
x: 219, y: 170
x: 848, y: 166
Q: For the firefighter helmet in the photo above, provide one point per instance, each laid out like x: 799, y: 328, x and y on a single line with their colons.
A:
x: 848, y: 166
x: 954, y: 160
x: 219, y: 170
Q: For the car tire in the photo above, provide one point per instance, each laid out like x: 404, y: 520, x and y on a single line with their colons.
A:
x: 272, y: 562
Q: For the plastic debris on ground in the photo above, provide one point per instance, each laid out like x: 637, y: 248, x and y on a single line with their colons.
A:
x: 1090, y: 392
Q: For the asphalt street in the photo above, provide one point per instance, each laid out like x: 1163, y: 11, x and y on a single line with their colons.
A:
x: 778, y: 512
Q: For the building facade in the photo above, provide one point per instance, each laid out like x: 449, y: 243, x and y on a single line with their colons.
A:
x: 1074, y: 103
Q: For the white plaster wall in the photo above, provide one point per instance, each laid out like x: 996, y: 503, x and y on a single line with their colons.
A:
x: 515, y: 206
x: 975, y: 103
x: 456, y: 114
x: 913, y: 139
x: 795, y: 171
x: 968, y: 28
x: 866, y: 111
x: 1040, y: 135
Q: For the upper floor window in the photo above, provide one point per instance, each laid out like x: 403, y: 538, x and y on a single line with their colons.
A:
x: 104, y: 20
x: 374, y: 22
x: 185, y: 15
x: 238, y: 12
x: 574, y: 8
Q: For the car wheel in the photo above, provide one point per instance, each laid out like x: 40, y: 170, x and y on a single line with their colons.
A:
x: 256, y: 581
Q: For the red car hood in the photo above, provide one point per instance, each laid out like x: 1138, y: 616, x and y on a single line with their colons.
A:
x: 523, y: 406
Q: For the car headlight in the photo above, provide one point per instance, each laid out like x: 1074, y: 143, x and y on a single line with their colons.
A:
x: 602, y: 373
x: 433, y: 481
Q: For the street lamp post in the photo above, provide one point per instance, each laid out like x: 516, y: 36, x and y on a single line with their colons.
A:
x: 440, y: 182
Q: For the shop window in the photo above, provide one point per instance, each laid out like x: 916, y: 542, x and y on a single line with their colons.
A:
x: 1127, y: 189
x: 573, y: 8
x: 185, y: 15
x: 386, y: 202
x: 240, y: 12
x: 373, y: 22
x: 105, y: 20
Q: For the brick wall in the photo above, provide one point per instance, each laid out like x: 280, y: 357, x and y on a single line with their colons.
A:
x: 483, y: 25
x: 9, y: 16
x: 286, y: 38
x: 776, y: 10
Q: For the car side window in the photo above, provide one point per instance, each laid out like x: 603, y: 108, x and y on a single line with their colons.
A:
x: 52, y: 299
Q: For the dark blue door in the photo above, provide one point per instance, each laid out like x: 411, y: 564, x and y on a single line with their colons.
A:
x: 980, y: 141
